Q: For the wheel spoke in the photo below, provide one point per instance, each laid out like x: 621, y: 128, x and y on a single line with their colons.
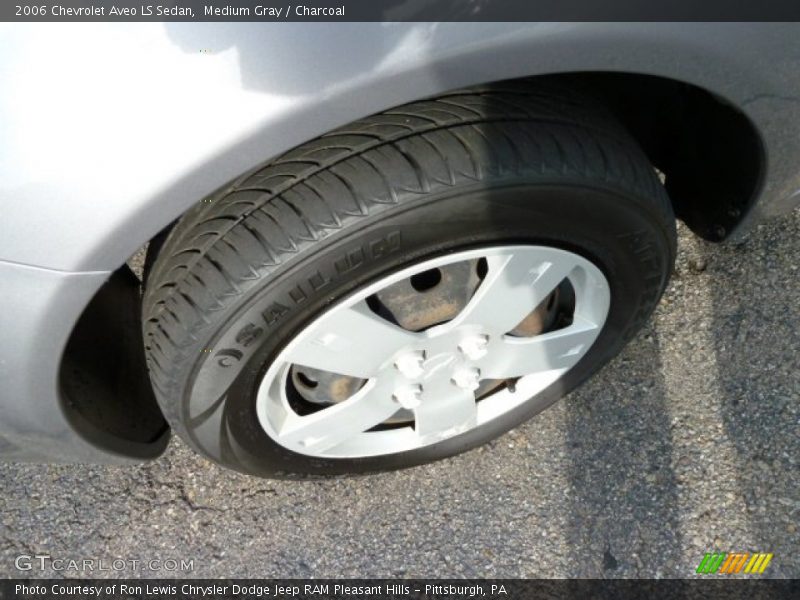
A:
x: 445, y: 415
x: 517, y: 357
x: 327, y: 428
x: 512, y: 288
x: 350, y: 341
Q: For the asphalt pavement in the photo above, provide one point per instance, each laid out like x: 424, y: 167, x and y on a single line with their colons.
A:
x: 686, y: 443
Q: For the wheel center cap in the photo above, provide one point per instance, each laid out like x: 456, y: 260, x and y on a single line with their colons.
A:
x: 436, y: 363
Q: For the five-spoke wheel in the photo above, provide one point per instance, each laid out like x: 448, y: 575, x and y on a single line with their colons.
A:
x: 420, y: 387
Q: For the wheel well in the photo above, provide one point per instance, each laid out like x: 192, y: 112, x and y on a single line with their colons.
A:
x: 709, y: 152
x: 105, y: 389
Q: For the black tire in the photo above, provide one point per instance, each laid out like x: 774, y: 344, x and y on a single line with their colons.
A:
x: 247, y: 268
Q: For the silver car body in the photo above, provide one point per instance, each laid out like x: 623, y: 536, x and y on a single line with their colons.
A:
x: 111, y: 131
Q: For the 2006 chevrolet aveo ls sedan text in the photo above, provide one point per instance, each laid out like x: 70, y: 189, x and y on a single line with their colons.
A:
x: 368, y: 246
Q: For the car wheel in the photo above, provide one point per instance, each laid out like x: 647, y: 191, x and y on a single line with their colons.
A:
x: 407, y: 287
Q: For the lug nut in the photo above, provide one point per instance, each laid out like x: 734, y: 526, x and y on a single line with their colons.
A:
x: 474, y: 347
x: 410, y: 364
x: 409, y: 397
x: 466, y: 378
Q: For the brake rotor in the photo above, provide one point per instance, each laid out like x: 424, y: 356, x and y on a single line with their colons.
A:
x: 431, y: 297
x: 324, y: 387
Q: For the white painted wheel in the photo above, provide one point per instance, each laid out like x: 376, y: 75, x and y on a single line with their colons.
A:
x: 431, y: 376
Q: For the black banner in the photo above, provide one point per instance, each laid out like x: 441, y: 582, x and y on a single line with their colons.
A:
x: 400, y: 589
x: 399, y: 10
